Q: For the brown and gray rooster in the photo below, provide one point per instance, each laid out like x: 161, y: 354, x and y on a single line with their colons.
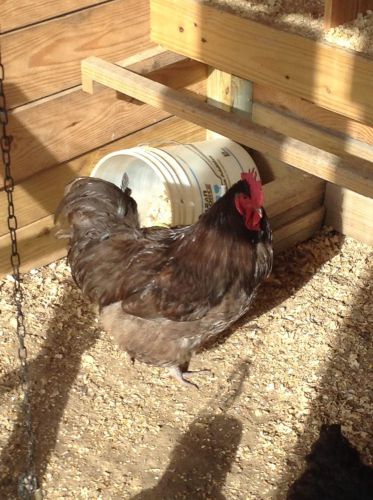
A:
x: 162, y: 293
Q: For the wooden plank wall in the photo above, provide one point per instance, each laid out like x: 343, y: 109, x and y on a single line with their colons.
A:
x: 59, y: 131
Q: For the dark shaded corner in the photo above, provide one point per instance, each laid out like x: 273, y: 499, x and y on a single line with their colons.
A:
x: 337, y: 437
x: 334, y: 470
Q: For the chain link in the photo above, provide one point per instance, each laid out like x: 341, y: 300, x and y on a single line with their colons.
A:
x: 28, y: 484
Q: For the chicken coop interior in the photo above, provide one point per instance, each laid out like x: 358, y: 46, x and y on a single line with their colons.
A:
x: 292, y: 82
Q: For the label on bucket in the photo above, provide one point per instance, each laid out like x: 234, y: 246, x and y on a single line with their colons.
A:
x: 211, y: 194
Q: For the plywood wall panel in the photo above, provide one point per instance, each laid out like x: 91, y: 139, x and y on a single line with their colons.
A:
x: 19, y: 13
x: 45, y: 58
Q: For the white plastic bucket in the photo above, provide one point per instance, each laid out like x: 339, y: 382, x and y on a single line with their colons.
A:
x: 173, y: 184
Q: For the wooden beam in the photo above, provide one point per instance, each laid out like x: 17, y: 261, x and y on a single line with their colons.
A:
x: 86, y: 122
x: 308, y: 111
x: 309, y: 133
x: 329, y: 76
x: 357, y: 175
x: 343, y: 11
x: 219, y: 89
x: 350, y: 213
x: 228, y: 92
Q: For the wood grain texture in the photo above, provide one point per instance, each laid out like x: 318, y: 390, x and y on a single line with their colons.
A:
x: 45, y: 58
x: 20, y: 13
x: 331, y: 77
x: 292, y: 196
x: 37, y: 246
x: 299, y: 230
x: 343, y: 11
x: 355, y: 175
x: 271, y: 168
x: 39, y: 195
x: 228, y: 92
x: 334, y: 122
x: 311, y: 134
x: 71, y: 123
x: 219, y: 89
x: 350, y: 213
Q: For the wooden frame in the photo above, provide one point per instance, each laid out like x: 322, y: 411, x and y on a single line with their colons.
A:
x: 329, y: 76
x: 294, y: 201
x: 343, y: 11
x: 355, y: 175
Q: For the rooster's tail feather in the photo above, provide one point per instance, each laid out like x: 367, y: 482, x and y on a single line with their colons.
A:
x: 94, y: 206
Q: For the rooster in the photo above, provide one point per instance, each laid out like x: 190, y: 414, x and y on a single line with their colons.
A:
x: 164, y: 292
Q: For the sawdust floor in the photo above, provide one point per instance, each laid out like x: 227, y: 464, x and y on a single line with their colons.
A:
x: 107, y: 429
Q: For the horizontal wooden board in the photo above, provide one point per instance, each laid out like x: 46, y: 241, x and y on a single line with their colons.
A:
x: 329, y: 76
x: 350, y: 213
x: 291, y: 197
x: 309, y: 133
x: 299, y: 230
x: 39, y: 195
x: 356, y: 175
x: 301, y: 108
x: 19, y: 13
x: 45, y: 58
x: 85, y: 122
x: 37, y: 246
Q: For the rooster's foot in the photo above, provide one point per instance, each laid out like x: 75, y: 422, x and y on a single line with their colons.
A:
x: 183, y: 376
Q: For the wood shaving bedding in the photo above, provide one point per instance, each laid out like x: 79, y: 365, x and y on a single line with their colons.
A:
x: 108, y: 430
x: 304, y: 17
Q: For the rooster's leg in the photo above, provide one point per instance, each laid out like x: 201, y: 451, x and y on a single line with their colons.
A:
x: 182, y: 376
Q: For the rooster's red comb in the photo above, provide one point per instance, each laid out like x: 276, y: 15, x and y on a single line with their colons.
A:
x: 256, y: 191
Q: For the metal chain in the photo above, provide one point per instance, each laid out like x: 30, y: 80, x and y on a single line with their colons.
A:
x: 28, y: 483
